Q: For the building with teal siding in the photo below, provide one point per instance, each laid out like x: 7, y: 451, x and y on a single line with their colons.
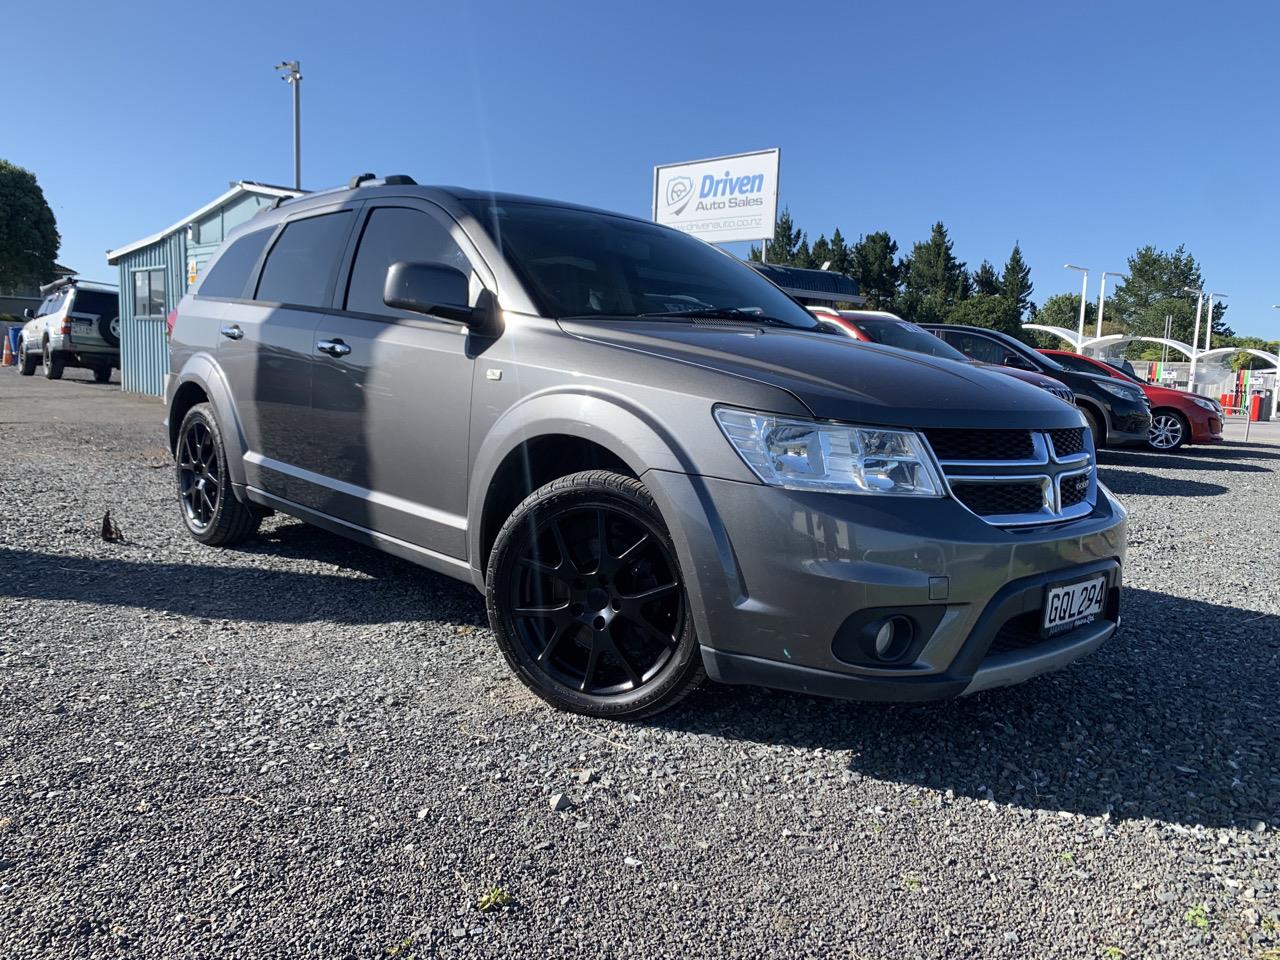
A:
x: 156, y: 271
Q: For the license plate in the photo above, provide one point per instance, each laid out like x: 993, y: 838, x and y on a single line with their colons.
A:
x: 1076, y: 603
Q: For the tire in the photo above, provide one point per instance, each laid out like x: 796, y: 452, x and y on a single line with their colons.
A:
x: 1096, y: 427
x: 53, y: 363
x: 27, y: 362
x: 603, y: 634
x: 1169, y: 431
x: 101, y: 374
x: 200, y: 458
x: 109, y: 330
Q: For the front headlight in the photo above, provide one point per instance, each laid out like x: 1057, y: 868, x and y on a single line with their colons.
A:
x: 807, y: 455
x: 1207, y: 404
x: 1121, y: 391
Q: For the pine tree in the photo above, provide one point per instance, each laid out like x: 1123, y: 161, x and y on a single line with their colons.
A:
x: 839, y: 252
x: 986, y: 282
x: 871, y: 263
x: 1015, y: 283
x: 785, y: 245
x: 820, y: 252
x: 934, y: 281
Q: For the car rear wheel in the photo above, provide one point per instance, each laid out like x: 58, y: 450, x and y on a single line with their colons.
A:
x: 1169, y: 431
x: 210, y: 510
x: 102, y: 374
x: 587, y: 600
x: 27, y: 361
x: 53, y: 363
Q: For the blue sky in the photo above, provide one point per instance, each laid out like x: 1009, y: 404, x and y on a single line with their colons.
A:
x: 1080, y: 130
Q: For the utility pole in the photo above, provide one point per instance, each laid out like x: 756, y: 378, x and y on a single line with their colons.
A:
x: 293, y: 75
x: 1084, y: 296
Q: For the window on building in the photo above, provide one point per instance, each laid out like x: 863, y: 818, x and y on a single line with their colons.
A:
x: 301, y: 264
x: 230, y: 274
x: 148, y: 293
x: 392, y: 234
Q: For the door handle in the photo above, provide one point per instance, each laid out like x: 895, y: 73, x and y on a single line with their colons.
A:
x: 232, y: 332
x: 334, y: 348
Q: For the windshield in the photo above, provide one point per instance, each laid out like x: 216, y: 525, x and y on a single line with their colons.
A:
x: 578, y: 263
x: 893, y: 332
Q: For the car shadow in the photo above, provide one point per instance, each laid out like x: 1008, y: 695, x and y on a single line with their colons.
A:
x: 1175, y: 719
x: 1173, y: 461
x: 1125, y: 482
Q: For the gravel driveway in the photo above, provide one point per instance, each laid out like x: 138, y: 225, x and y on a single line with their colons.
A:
x: 308, y: 749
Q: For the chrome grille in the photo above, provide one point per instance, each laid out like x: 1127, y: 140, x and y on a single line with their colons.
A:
x: 1019, y: 477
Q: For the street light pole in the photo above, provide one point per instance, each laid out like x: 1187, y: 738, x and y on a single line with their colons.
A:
x: 1195, y: 337
x: 293, y: 75
x: 1084, y: 295
x: 1275, y: 387
x: 1102, y: 293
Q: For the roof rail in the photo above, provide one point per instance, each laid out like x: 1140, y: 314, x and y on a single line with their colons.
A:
x: 360, y: 178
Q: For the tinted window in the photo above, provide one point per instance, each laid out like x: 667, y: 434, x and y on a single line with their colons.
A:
x: 97, y: 302
x: 1076, y: 363
x: 230, y: 274
x: 302, y: 263
x: 905, y: 336
x: 392, y: 234
x: 583, y: 263
x: 47, y: 306
x: 978, y: 347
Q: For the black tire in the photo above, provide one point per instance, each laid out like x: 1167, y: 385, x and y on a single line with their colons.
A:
x: 108, y: 330
x: 603, y: 633
x: 1170, y: 431
x: 1096, y: 427
x: 206, y: 501
x: 27, y: 361
x: 101, y: 374
x: 53, y: 363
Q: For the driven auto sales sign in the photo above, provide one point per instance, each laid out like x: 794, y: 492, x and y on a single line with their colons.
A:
x: 719, y: 200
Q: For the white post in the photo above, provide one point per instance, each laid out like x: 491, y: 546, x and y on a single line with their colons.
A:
x: 1195, y: 339
x: 1084, y: 295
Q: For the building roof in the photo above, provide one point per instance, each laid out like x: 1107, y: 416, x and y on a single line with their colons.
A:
x: 237, y: 188
x: 809, y: 284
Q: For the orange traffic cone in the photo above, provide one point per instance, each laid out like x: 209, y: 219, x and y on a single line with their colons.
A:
x: 7, y: 359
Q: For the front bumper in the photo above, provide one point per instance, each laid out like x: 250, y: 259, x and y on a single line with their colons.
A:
x: 1206, y: 426
x: 774, y: 575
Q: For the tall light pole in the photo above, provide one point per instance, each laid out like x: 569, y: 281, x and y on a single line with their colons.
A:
x: 293, y: 75
x: 1275, y: 387
x: 1195, y: 337
x: 1084, y: 295
x: 1102, y: 294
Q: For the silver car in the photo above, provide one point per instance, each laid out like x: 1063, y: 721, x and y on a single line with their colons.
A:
x: 76, y: 325
x: 654, y: 463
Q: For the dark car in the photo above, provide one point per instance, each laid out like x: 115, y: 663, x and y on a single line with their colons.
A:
x: 1117, y: 411
x: 654, y: 464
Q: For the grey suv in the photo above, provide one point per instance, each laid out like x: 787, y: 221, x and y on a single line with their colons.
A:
x: 654, y: 463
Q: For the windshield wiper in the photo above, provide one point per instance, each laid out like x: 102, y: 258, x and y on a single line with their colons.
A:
x: 722, y: 313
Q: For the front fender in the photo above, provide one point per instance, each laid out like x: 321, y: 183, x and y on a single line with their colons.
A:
x: 201, y: 370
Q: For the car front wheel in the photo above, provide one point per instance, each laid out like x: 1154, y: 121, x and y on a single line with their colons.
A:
x: 1169, y: 431
x: 587, y: 600
x: 209, y: 508
x: 27, y: 361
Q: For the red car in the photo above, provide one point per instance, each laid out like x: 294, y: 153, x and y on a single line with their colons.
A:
x: 1178, y: 417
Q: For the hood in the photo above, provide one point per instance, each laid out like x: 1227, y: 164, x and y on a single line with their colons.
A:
x: 839, y: 378
x: 1026, y: 376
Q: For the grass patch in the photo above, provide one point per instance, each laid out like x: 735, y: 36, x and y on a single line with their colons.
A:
x: 1197, y: 916
x: 495, y: 898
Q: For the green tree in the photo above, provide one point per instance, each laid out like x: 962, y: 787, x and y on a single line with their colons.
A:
x: 1015, y: 282
x: 786, y: 242
x: 820, y: 252
x: 986, y: 282
x: 29, y: 238
x: 934, y: 281
x: 872, y: 264
x: 994, y: 311
x: 840, y: 252
x: 1155, y: 289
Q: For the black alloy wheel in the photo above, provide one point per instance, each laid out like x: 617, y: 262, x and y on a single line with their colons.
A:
x: 588, y: 602
x: 210, y: 509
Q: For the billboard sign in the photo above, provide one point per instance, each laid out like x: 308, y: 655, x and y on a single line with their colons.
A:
x: 719, y: 200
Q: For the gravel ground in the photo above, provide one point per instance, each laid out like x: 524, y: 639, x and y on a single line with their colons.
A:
x: 306, y: 748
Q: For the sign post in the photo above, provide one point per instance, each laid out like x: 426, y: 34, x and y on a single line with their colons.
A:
x: 721, y: 199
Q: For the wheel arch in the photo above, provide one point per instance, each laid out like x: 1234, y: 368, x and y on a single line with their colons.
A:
x: 1097, y: 410
x: 200, y: 381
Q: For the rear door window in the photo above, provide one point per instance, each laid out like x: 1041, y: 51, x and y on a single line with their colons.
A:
x: 230, y: 275
x: 98, y: 303
x: 301, y: 265
x: 393, y: 234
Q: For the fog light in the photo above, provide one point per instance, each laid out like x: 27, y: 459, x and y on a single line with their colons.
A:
x: 884, y: 639
x: 893, y: 638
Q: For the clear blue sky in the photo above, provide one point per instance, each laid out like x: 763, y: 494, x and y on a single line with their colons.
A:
x: 1081, y: 130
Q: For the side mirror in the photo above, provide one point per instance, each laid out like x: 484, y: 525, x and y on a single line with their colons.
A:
x: 432, y: 288
x: 1015, y: 361
x: 27, y: 314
